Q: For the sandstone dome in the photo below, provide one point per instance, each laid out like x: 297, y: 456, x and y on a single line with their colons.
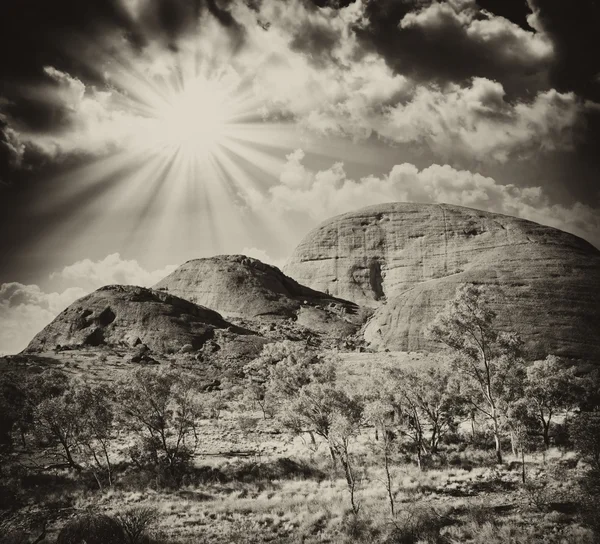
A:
x: 406, y: 261
x: 242, y: 287
x: 127, y: 315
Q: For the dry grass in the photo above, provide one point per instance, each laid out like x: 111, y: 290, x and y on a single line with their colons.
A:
x: 257, y: 484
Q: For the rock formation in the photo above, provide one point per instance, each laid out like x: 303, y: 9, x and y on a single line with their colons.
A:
x: 241, y: 287
x: 406, y: 260
x: 123, y: 315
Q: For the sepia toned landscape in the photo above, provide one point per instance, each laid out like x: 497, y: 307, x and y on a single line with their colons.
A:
x: 299, y: 272
x: 141, y: 415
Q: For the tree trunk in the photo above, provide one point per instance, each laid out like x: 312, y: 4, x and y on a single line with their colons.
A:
x: 349, y: 480
x: 523, y: 464
x: 68, y: 455
x: 513, y: 445
x: 546, y: 431
x: 389, y: 480
x: 333, y: 457
x: 497, y: 436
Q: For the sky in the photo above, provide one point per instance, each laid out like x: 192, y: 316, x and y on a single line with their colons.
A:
x: 138, y: 134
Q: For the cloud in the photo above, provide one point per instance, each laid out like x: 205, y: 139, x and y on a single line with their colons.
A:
x: 27, y: 309
x: 110, y: 270
x: 314, y: 66
x: 478, y: 122
x: 454, y: 41
x: 319, y: 195
x: 573, y: 32
x: 80, y: 119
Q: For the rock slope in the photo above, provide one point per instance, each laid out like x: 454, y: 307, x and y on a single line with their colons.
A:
x: 241, y: 287
x: 123, y: 315
x: 406, y: 260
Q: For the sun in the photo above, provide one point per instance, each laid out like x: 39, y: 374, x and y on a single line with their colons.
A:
x: 195, y: 119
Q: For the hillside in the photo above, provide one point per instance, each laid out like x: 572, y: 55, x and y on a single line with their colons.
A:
x: 406, y: 260
x: 123, y: 315
x: 241, y: 287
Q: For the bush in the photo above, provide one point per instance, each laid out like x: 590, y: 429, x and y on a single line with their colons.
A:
x: 417, y: 526
x: 359, y: 529
x: 136, y: 522
x: 92, y: 529
x: 585, y: 432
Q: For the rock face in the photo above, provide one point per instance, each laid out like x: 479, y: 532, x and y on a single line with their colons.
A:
x: 241, y: 287
x: 406, y: 260
x: 127, y: 316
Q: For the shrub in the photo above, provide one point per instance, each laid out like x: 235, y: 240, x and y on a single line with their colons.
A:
x: 359, y: 529
x: 585, y: 432
x: 417, y: 526
x: 92, y: 529
x: 136, y: 522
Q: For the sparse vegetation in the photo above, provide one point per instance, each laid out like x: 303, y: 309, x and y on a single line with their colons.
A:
x: 300, y: 446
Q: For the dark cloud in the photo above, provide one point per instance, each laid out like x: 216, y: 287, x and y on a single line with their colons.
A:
x: 31, y: 32
x: 515, y: 11
x: 573, y: 28
x: 333, y: 3
x: 65, y: 34
x: 447, y: 43
x: 316, y: 40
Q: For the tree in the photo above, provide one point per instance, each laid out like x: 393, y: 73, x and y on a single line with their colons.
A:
x: 523, y: 430
x: 257, y: 394
x: 96, y: 418
x: 333, y: 415
x: 550, y: 387
x: 13, y: 404
x: 57, y: 417
x: 280, y: 371
x: 585, y: 432
x: 160, y: 405
x: 381, y: 415
x: 484, y: 355
x: 429, y: 402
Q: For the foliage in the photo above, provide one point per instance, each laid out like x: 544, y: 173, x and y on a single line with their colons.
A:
x: 92, y: 529
x: 160, y: 406
x: 417, y: 525
x: 550, y: 387
x: 427, y: 404
x: 487, y: 359
x: 13, y: 411
x: 585, y: 432
x: 136, y: 523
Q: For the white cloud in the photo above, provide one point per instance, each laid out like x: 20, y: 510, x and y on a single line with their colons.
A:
x: 96, y: 120
x: 110, y: 270
x: 477, y: 122
x: 505, y: 41
x: 27, y: 309
x: 323, y: 194
x: 338, y: 88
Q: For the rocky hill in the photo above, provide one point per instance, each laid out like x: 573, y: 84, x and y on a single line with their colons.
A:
x: 241, y: 287
x: 123, y: 315
x: 406, y: 260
